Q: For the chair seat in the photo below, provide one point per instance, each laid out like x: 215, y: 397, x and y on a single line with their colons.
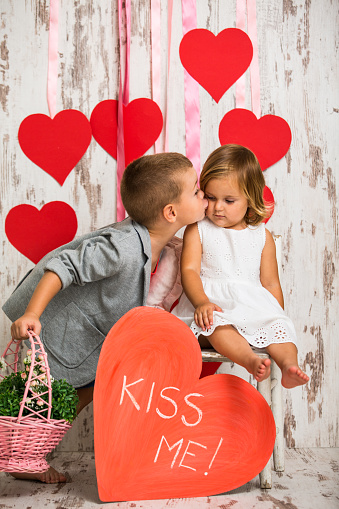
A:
x: 210, y: 355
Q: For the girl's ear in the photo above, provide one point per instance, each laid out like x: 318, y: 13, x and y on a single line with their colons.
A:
x: 169, y: 212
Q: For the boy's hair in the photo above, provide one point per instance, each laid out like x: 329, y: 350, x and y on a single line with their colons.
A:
x: 242, y: 163
x: 152, y: 182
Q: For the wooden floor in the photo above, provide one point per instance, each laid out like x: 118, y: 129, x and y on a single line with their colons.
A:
x: 310, y: 481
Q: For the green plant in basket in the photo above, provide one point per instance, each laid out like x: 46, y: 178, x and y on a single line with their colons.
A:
x: 12, y: 388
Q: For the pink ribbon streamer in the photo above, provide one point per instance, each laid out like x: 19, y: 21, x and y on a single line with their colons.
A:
x: 192, y: 108
x: 52, y: 73
x: 169, y: 31
x: 240, y: 85
x: 122, y: 100
x: 156, y: 61
x: 254, y: 67
x: 160, y: 146
x: 127, y: 4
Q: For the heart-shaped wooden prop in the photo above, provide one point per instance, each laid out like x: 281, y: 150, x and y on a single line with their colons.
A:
x: 269, y: 137
x: 142, y: 126
x: 55, y: 145
x: 216, y: 62
x: 36, y: 232
x: 159, y: 431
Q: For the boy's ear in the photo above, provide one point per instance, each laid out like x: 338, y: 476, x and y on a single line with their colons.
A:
x: 170, y: 213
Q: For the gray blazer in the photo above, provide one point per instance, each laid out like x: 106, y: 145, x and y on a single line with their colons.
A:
x: 104, y: 274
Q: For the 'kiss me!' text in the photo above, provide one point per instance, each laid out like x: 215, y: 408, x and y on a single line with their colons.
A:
x: 192, y: 447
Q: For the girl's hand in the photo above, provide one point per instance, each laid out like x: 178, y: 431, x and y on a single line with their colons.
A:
x: 203, y: 314
x: 27, y: 321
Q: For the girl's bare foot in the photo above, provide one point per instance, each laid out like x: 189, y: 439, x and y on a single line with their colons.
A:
x: 260, y: 369
x: 292, y: 376
x: 51, y: 476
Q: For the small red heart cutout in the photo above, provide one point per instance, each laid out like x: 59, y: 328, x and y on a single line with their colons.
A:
x: 35, y: 233
x: 142, y: 126
x: 216, y: 62
x: 269, y: 202
x: 159, y: 431
x: 269, y: 137
x: 55, y: 145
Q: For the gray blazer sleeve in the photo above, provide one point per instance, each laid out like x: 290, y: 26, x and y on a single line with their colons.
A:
x: 104, y: 274
x: 95, y: 259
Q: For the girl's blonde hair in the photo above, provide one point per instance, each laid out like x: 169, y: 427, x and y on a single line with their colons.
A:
x: 243, y: 164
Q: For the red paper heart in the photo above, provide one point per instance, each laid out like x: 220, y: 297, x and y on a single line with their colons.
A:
x: 35, y: 233
x: 269, y: 202
x: 216, y: 62
x: 55, y: 145
x: 269, y: 137
x: 223, y: 429
x: 142, y: 126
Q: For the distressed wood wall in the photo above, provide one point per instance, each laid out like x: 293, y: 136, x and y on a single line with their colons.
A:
x: 299, y: 81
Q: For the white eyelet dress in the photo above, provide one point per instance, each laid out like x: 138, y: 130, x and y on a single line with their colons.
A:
x: 230, y: 274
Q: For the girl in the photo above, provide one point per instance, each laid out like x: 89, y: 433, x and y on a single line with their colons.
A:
x: 230, y: 274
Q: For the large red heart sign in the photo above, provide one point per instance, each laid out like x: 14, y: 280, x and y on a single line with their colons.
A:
x: 216, y: 62
x: 55, y: 145
x: 142, y: 126
x: 159, y: 431
x: 269, y: 137
x: 35, y: 233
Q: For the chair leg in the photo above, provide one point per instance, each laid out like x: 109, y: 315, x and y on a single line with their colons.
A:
x: 277, y: 410
x: 265, y: 475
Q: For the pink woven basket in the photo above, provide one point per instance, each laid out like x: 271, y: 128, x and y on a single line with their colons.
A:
x: 26, y: 440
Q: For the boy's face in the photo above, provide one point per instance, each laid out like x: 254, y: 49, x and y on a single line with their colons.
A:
x: 192, y: 204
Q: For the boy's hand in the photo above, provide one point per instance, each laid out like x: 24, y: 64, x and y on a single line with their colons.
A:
x: 27, y: 321
x: 203, y: 314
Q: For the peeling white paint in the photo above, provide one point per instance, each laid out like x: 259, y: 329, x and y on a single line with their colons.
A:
x: 299, y: 73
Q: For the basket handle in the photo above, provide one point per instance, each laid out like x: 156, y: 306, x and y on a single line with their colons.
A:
x: 12, y: 349
x: 39, y: 358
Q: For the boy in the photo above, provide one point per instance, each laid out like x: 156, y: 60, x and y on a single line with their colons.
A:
x: 76, y: 293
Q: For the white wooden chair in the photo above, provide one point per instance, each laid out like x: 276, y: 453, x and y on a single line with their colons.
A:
x: 270, y: 389
x: 164, y: 290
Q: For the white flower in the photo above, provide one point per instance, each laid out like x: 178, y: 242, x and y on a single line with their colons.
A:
x: 40, y: 402
x: 3, y: 365
x: 28, y: 400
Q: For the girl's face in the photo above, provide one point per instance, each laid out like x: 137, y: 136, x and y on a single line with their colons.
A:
x: 227, y: 205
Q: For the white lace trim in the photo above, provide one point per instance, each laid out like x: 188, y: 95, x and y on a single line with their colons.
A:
x: 275, y: 333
